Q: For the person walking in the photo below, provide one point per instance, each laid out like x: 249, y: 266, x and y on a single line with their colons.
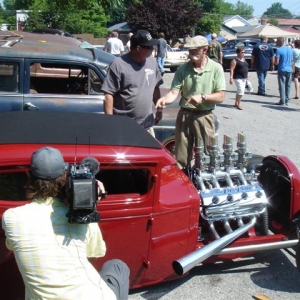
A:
x: 52, y: 255
x: 127, y: 46
x: 201, y: 84
x: 262, y: 60
x: 284, y: 60
x: 296, y: 66
x: 114, y: 45
x: 239, y: 75
x: 132, y: 83
x: 161, y: 52
x: 215, y: 50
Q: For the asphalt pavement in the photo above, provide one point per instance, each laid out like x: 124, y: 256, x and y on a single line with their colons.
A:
x: 269, y: 130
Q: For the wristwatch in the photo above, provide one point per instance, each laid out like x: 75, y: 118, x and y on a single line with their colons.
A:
x: 203, y: 96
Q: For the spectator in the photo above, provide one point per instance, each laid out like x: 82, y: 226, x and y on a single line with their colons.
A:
x: 215, y: 50
x: 201, y: 84
x: 132, y: 83
x: 296, y: 66
x: 114, y: 45
x: 284, y: 59
x: 239, y: 75
x: 161, y: 53
x: 52, y: 255
x: 262, y: 60
x: 127, y: 46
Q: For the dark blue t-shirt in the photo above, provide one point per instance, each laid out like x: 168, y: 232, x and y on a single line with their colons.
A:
x: 263, y: 53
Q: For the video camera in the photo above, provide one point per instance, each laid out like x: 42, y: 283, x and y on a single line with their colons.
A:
x: 83, y: 192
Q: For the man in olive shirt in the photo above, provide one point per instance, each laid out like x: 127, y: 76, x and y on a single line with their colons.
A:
x: 215, y: 50
x: 201, y: 82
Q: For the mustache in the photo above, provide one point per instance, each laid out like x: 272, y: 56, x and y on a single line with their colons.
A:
x: 194, y: 57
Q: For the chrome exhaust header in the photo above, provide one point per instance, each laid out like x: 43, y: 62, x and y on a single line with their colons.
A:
x: 184, y: 264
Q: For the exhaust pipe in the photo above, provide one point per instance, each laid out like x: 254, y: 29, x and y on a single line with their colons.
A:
x: 184, y: 264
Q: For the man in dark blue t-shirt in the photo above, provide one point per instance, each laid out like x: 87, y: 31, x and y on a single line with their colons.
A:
x: 263, y: 60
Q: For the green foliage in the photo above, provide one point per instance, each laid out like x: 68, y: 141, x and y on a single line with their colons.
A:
x: 176, y: 18
x: 243, y: 9
x: 277, y: 11
x: 73, y: 16
x: 209, y: 23
x: 273, y: 21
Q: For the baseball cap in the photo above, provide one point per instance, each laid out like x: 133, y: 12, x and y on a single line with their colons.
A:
x: 196, y: 42
x: 142, y: 38
x: 47, y: 163
x: 213, y: 35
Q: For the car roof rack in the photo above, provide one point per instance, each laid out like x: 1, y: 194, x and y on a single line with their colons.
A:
x: 8, y: 39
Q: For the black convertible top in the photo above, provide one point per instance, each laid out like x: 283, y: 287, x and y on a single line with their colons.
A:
x: 42, y: 127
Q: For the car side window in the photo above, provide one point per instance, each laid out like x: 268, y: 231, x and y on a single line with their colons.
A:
x: 62, y: 78
x: 125, y: 181
x: 12, y: 186
x: 9, y: 77
x: 117, y: 182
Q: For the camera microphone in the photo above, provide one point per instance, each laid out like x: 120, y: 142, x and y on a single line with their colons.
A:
x: 92, y: 163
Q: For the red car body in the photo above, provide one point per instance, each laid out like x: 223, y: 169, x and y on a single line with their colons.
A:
x: 152, y: 217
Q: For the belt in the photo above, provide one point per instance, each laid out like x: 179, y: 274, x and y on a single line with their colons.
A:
x: 196, y: 111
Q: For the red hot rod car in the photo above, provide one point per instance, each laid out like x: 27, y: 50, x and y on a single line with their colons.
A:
x: 159, y: 220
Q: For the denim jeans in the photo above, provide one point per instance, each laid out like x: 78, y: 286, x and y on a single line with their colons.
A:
x: 160, y: 63
x: 261, y: 75
x: 284, y: 82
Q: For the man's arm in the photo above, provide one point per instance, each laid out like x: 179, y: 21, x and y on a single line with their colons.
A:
x: 108, y: 104
x: 214, y: 98
x: 156, y: 95
x: 169, y: 98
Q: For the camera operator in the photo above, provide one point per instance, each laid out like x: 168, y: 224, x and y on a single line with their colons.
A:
x: 52, y: 255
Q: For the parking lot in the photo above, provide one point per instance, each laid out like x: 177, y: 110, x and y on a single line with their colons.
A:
x: 270, y: 130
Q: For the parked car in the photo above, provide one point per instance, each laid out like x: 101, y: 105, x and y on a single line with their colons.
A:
x: 229, y: 50
x: 56, y: 73
x: 174, y: 59
x: 155, y: 218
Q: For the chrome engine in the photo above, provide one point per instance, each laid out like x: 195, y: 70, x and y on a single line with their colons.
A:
x: 229, y: 191
x: 233, y: 203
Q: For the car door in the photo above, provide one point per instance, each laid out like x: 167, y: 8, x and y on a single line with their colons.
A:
x: 11, y: 84
x: 63, y: 86
x: 126, y: 215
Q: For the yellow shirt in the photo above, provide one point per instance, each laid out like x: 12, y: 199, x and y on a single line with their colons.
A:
x: 52, y: 254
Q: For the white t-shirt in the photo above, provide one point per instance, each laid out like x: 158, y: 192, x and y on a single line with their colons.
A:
x: 114, y: 46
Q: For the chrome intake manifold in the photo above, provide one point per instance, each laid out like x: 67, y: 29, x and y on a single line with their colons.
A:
x: 227, y: 188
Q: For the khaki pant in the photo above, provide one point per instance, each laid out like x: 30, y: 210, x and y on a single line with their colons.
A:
x: 191, y: 125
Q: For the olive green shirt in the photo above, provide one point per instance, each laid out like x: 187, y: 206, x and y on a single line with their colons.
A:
x: 190, y: 82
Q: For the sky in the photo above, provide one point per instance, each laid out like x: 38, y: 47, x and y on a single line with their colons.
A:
x: 260, y: 6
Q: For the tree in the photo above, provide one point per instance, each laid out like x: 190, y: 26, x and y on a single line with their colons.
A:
x: 176, y: 18
x: 214, y: 11
x: 243, y: 9
x: 73, y: 16
x: 278, y: 12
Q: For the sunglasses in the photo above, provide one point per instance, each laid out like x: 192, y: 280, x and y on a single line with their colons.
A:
x: 147, y: 47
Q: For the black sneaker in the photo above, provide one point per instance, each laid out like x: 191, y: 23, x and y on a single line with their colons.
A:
x: 279, y: 103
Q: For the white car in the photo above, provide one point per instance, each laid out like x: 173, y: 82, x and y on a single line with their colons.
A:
x: 174, y: 58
